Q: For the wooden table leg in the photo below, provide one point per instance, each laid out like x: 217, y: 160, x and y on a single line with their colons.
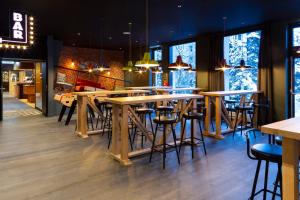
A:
x: 290, y: 168
x: 115, y: 140
x: 207, y: 117
x: 82, y: 116
x: 218, y: 118
x: 120, y: 144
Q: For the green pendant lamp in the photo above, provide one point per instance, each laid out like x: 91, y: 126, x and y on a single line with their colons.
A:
x: 129, y: 67
x: 146, y: 62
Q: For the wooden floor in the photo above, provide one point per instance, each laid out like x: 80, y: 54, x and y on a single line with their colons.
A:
x: 43, y: 159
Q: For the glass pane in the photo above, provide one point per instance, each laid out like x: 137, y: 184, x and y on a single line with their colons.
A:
x: 157, y: 54
x: 187, y: 52
x: 297, y: 86
x: 158, y: 80
x: 38, y: 86
x: 296, y: 36
x: 244, y: 46
x: 181, y: 78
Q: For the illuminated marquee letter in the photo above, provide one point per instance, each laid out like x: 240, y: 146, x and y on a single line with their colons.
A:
x: 17, y: 17
x: 17, y: 28
x: 18, y: 34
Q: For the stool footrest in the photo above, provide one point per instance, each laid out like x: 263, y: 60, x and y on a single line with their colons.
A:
x: 260, y: 191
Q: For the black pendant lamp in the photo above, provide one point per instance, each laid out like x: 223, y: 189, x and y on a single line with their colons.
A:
x: 222, y: 64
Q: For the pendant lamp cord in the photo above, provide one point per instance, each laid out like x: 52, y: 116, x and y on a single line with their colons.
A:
x: 101, y: 41
x: 147, y: 25
x: 130, y: 40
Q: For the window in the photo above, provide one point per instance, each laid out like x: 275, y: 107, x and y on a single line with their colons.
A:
x: 296, y: 72
x: 182, y: 78
x: 296, y: 37
x: 157, y: 56
x: 237, y: 47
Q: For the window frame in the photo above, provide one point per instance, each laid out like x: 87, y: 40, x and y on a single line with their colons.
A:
x: 240, y: 32
x: 182, y: 42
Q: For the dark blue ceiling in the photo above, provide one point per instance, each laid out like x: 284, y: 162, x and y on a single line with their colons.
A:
x: 65, y: 18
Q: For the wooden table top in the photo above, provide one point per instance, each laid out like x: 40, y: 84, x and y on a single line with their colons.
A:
x: 104, y: 92
x: 289, y: 128
x: 153, y: 98
x: 148, y: 87
x: 178, y: 89
x: 227, y: 93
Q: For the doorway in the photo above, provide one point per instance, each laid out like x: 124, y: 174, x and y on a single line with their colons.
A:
x: 22, y: 88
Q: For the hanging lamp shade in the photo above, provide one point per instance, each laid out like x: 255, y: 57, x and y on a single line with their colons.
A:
x: 222, y: 66
x: 102, y: 68
x: 140, y: 70
x: 190, y: 70
x: 179, y: 64
x: 243, y: 65
x: 297, y: 50
x: 157, y: 71
x: 146, y: 62
x: 129, y: 67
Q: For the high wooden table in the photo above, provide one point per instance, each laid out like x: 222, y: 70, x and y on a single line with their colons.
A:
x: 148, y: 87
x: 122, y: 111
x: 290, y: 131
x: 220, y: 109
x: 84, y: 99
x: 169, y: 90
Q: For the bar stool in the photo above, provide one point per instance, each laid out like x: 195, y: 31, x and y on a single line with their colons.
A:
x: 230, y: 105
x: 243, y: 110
x: 165, y: 119
x: 107, y: 124
x: 142, y: 114
x: 101, y: 106
x: 193, y: 116
x: 164, y: 109
x: 270, y: 154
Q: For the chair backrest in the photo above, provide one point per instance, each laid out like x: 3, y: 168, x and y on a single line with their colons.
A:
x: 249, y: 145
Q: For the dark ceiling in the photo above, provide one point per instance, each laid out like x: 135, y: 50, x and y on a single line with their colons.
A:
x: 79, y: 22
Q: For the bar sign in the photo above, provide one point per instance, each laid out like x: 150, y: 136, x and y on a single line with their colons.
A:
x: 18, y: 26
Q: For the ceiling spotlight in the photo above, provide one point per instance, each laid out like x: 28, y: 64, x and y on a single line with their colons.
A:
x: 179, y: 6
x: 126, y: 33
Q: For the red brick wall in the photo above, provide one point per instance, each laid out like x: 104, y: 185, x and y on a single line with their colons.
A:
x: 114, y: 59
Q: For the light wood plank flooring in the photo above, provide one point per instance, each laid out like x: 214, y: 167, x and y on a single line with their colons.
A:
x: 43, y: 159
